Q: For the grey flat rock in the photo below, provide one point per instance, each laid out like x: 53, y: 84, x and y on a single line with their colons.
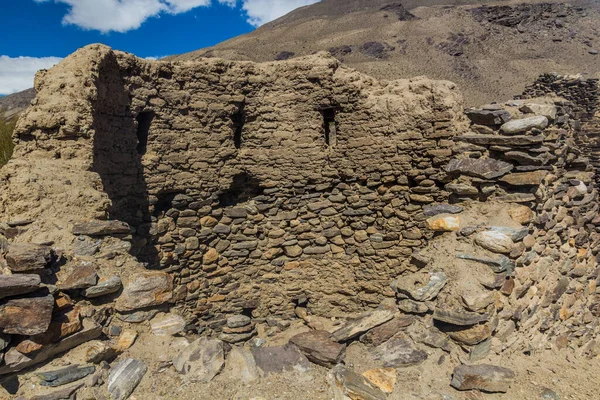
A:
x: 363, y: 323
x: 124, y: 377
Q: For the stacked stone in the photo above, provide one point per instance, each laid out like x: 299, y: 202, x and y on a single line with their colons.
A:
x: 547, y: 272
x: 584, y: 93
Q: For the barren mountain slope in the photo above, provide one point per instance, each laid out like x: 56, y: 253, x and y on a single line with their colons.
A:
x: 491, y: 49
x: 13, y: 104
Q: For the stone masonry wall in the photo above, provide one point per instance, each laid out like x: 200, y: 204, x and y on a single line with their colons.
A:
x: 298, y: 188
x: 285, y: 218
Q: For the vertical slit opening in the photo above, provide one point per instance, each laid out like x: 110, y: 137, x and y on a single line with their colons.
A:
x: 329, y: 126
x: 238, y: 119
x: 144, y: 120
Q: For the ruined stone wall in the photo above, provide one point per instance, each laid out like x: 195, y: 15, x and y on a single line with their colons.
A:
x: 288, y: 189
x: 321, y: 202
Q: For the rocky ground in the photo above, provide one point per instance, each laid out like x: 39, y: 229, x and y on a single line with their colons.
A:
x: 419, y: 362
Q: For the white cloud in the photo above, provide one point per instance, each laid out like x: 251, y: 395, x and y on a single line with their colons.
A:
x: 17, y: 74
x: 125, y: 15
x: 262, y: 11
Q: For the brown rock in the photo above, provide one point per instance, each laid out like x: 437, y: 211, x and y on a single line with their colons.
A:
x: 363, y: 323
x: 62, y: 325
x: 146, y: 290
x: 279, y: 359
x: 23, y: 257
x: 101, y: 228
x: 398, y: 352
x: 348, y: 384
x: 30, y: 315
x: 459, y: 318
x: 532, y: 178
x: 90, y: 331
x: 484, y: 168
x: 82, y: 277
x: 319, y: 348
x: 469, y: 336
x: 384, y: 332
x: 487, y: 378
x: 522, y: 214
x: 12, y: 285
x: 210, y: 257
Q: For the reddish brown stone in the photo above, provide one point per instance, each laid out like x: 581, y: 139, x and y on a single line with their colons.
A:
x: 26, y: 316
x: 12, y: 285
x: 319, y: 347
x: 384, y: 332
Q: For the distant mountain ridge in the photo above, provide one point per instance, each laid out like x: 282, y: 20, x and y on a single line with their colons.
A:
x: 13, y: 104
x: 491, y: 49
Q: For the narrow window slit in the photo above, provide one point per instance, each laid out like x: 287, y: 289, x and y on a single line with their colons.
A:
x: 238, y: 119
x: 144, y: 120
x: 329, y: 126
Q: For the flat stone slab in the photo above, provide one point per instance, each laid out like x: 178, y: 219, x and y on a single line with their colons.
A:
x: 484, y: 168
x: 167, y: 324
x: 319, y: 348
x: 494, y: 241
x: 524, y: 124
x: 399, y: 351
x: 124, y: 377
x: 278, y: 359
x: 82, y: 276
x: 484, y: 377
x: 498, y: 265
x: 533, y: 178
x: 201, y: 361
x: 517, y: 140
x: 101, y: 228
x: 146, y: 290
x: 64, y: 376
x: 459, y: 318
x: 348, y: 384
x: 363, y: 323
x: 29, y: 315
x: 384, y: 332
x: 437, y: 209
x: 240, y: 365
x: 104, y: 287
x: 90, y: 331
x: 488, y: 117
x: 444, y: 223
x: 12, y: 285
x: 23, y: 257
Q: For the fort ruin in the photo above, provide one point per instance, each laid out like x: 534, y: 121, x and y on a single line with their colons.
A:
x: 220, y: 188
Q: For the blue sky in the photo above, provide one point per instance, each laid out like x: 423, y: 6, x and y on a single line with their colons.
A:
x: 44, y: 31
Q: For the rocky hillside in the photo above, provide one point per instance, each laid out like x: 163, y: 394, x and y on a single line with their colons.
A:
x: 12, y: 105
x: 492, y: 50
